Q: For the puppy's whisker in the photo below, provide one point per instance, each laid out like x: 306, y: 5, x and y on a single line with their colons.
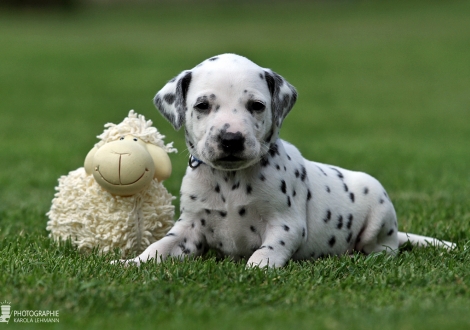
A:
x: 187, y: 152
x: 264, y: 148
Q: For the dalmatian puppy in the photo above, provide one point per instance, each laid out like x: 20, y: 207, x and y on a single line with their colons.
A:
x: 249, y: 194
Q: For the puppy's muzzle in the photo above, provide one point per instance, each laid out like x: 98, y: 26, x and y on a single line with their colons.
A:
x: 231, y: 145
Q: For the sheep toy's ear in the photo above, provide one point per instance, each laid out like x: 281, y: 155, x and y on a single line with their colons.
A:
x: 171, y: 99
x: 89, y: 161
x: 161, y: 160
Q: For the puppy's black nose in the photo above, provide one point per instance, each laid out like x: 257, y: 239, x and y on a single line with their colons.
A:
x: 232, y: 143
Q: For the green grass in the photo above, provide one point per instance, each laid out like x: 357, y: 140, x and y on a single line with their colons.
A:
x: 383, y: 88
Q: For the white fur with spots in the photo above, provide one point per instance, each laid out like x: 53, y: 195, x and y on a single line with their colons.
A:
x: 252, y: 195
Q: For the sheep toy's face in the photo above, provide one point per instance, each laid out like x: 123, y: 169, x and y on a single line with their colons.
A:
x: 128, y: 165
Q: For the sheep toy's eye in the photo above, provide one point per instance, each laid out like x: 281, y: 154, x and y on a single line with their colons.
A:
x: 135, y: 139
x: 121, y: 138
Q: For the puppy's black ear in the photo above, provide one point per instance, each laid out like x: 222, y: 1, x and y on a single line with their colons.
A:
x: 283, y: 96
x: 171, y: 99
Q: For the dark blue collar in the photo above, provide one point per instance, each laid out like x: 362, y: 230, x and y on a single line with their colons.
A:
x: 194, y: 162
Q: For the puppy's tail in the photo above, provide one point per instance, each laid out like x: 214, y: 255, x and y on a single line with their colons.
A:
x: 418, y: 240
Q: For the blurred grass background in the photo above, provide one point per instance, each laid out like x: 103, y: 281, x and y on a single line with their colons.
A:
x: 384, y: 87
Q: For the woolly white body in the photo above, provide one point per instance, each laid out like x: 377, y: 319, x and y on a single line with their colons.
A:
x: 249, y: 194
x: 94, y: 218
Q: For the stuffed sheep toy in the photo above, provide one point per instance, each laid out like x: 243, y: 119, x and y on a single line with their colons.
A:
x: 117, y: 199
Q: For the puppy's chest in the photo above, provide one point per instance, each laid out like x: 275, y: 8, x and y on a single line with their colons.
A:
x: 226, y: 209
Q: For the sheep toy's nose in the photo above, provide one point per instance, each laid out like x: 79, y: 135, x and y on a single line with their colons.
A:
x: 123, y: 167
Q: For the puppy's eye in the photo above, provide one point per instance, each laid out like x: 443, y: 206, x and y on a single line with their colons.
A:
x: 256, y: 106
x: 202, y: 106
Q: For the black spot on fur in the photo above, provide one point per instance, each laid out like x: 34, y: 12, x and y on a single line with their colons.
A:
x: 270, y: 247
x: 351, y: 196
x: 274, y: 150
x: 304, y: 173
x: 184, y: 249
x: 264, y: 161
x: 288, y: 157
x: 328, y: 216
x: 309, y: 195
x: 223, y: 214
x: 366, y: 191
x: 348, y: 239
x: 242, y: 211
x: 283, y: 186
x: 217, y: 188
x: 262, y: 177
x: 350, y: 220
x: 214, y: 58
x: 207, y: 211
x: 169, y: 98
x: 236, y: 185
x: 346, y: 189
x: 297, y: 173
x: 332, y: 241
x: 282, y: 243
x: 328, y: 189
x: 340, y: 175
x: 381, y: 201
x: 170, y: 234
x: 253, y: 229
x: 321, y: 170
x: 193, y: 197
x: 303, y: 232
x: 249, y: 189
x: 288, y: 201
x: 390, y: 232
x: 203, y: 222
x: 286, y: 227
x: 340, y: 222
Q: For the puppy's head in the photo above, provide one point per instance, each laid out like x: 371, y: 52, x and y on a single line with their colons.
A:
x: 231, y: 108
